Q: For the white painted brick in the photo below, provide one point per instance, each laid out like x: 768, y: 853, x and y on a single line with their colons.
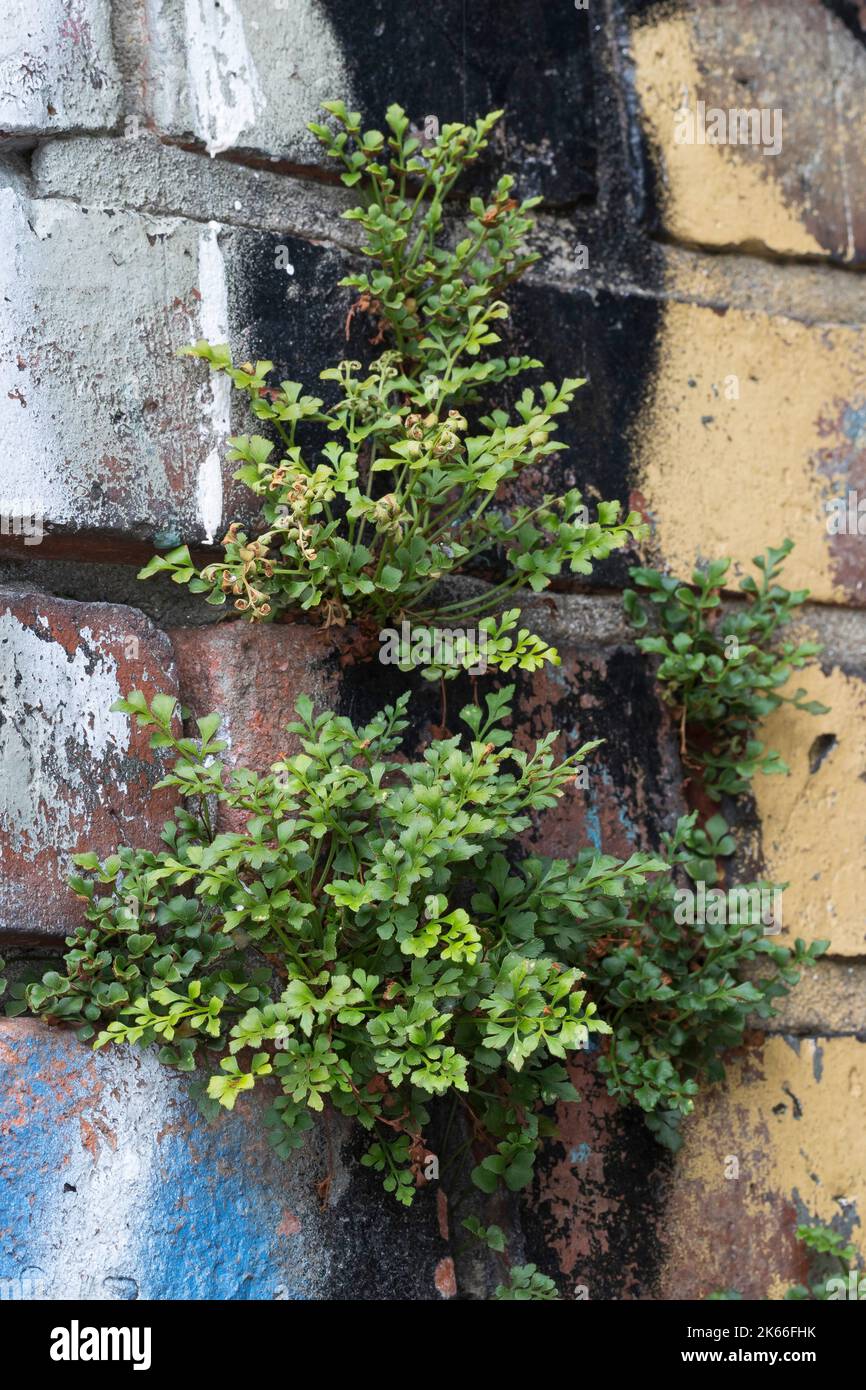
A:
x: 242, y: 74
x: 100, y: 419
x: 57, y: 70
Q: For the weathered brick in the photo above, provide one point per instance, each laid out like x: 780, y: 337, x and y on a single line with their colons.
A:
x: 532, y: 58
x: 608, y: 339
x: 75, y: 776
x: 799, y: 58
x: 830, y: 999
x: 632, y: 793
x: 233, y: 79
x: 595, y: 1217
x: 112, y: 1186
x: 58, y: 71
x: 252, y: 676
x: 750, y: 427
x: 633, y: 790
x: 725, y: 395
x: 790, y: 1115
x: 679, y: 394
x: 139, y: 172
x: 613, y: 1215
x: 812, y: 821
x: 104, y: 425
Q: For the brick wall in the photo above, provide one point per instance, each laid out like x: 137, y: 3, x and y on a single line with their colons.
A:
x: 153, y: 156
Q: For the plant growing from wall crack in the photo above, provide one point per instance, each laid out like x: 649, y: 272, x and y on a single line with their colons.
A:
x: 836, y: 1273
x: 369, y: 940
x: 418, y: 482
x: 724, y: 671
x: 365, y: 942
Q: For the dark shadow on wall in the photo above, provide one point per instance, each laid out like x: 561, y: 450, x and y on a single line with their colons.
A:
x: 611, y: 341
x: 852, y: 15
x: 593, y: 1218
x: 459, y: 59
x: 295, y: 318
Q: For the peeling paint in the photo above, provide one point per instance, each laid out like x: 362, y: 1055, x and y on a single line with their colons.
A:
x: 229, y: 73
x: 112, y: 1186
x: 736, y: 444
x: 56, y: 726
x: 226, y: 93
x: 813, y: 823
x: 74, y: 774
x: 595, y: 1217
x: 446, y: 1283
x: 714, y: 194
x: 214, y: 394
x: 57, y: 68
x: 795, y: 1126
x: 731, y: 56
x: 93, y: 309
x: 144, y: 1218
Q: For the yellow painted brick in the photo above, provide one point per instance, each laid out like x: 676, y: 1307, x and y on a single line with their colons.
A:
x: 749, y: 429
x: 813, y: 824
x: 805, y: 198
x: 791, y: 1114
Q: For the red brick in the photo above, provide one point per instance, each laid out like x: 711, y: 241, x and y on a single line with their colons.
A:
x: 75, y: 776
x: 252, y: 676
x: 631, y: 790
